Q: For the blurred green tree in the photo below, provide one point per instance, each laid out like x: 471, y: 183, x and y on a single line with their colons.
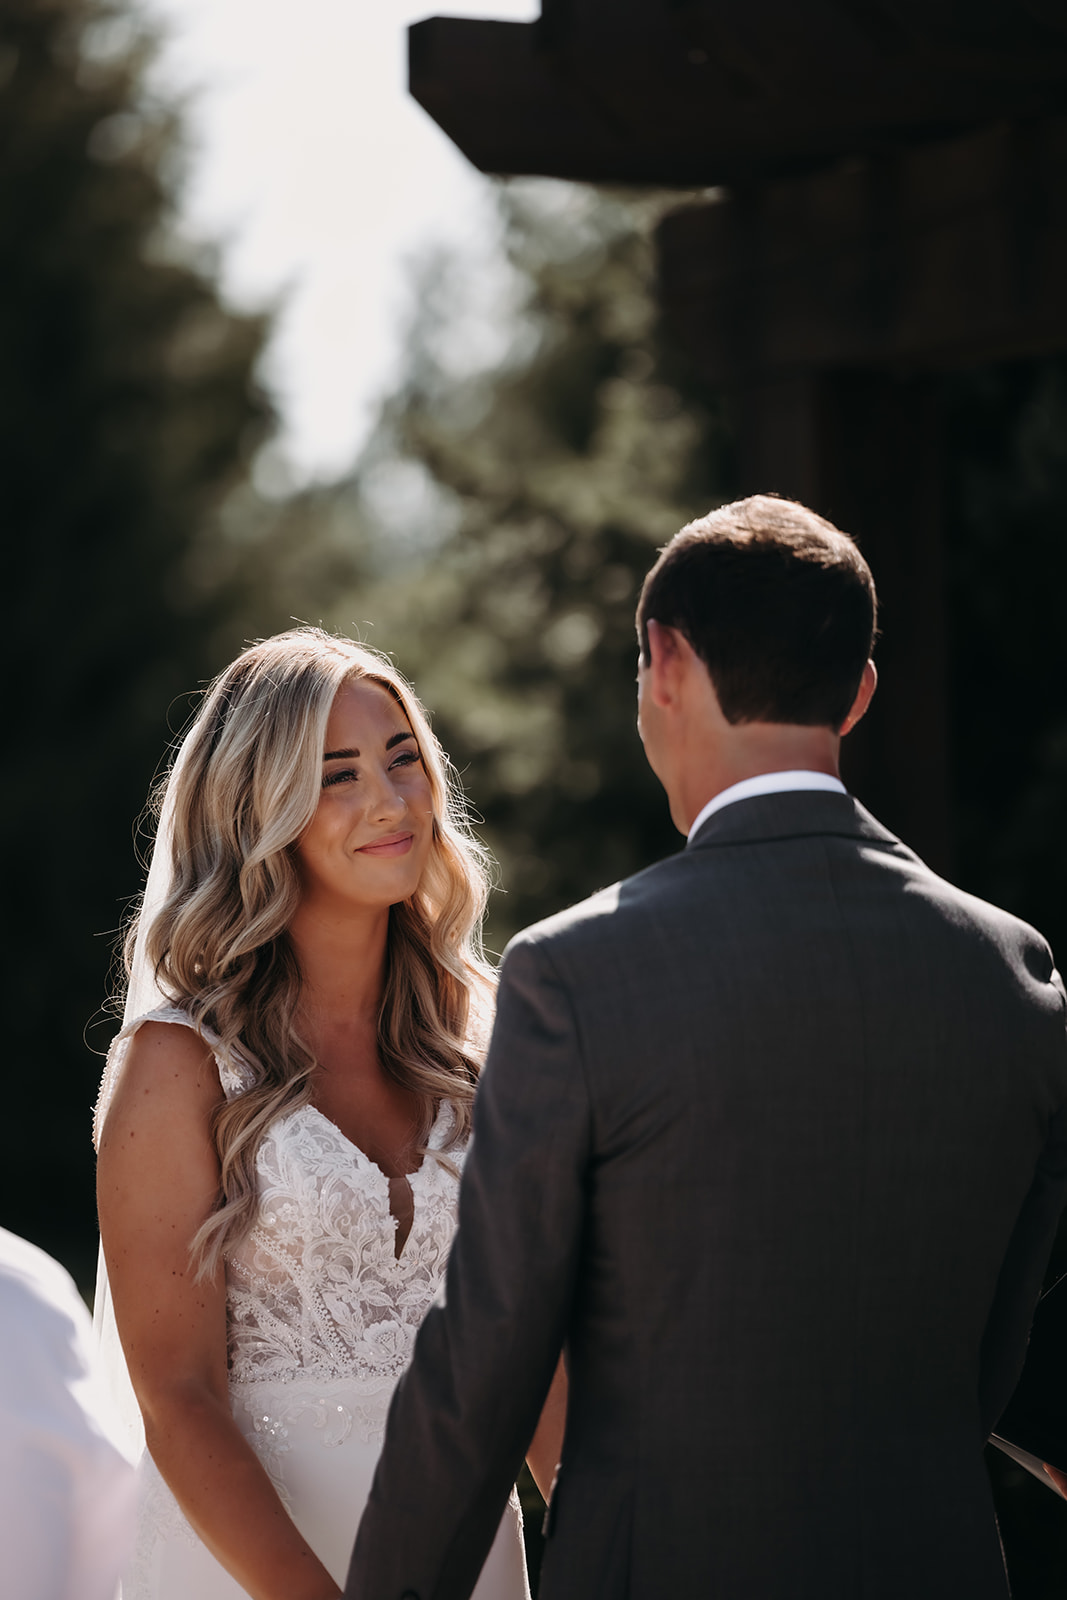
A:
x: 128, y: 409
x: 523, y: 504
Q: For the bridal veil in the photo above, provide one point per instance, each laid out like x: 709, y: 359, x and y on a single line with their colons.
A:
x: 143, y: 995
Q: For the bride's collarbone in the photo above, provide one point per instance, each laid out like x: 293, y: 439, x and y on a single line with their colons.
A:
x: 379, y: 1119
x: 378, y: 1116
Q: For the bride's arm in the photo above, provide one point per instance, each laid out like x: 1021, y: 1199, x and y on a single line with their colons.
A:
x: 158, y: 1180
x: 542, y: 1457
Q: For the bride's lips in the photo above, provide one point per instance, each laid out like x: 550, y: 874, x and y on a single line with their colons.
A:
x: 394, y: 844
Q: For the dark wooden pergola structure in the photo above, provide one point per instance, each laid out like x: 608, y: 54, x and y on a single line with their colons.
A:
x: 887, y: 198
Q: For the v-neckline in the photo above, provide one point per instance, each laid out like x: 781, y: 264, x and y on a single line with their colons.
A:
x: 212, y: 1037
x: 369, y: 1161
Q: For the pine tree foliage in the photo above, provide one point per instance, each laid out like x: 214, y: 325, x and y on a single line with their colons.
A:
x: 548, y: 482
x: 127, y: 412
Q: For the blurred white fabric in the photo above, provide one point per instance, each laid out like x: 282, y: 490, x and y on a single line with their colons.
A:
x: 67, y: 1489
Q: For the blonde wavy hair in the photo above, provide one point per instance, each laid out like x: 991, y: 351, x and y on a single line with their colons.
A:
x: 247, y: 786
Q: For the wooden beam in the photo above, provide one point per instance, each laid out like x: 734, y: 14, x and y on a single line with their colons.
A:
x: 496, y: 95
x: 863, y: 448
x: 881, y: 460
x: 953, y: 252
x: 698, y: 92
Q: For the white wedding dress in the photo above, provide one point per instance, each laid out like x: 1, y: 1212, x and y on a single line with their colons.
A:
x: 322, y: 1318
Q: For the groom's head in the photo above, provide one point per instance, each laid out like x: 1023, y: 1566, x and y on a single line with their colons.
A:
x: 755, y: 624
x: 777, y: 603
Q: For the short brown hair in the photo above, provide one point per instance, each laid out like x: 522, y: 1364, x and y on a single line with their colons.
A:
x: 777, y: 603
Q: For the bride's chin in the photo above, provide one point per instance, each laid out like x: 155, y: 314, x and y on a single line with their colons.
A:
x: 391, y: 889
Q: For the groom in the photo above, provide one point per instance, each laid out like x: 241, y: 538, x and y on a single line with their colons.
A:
x: 771, y: 1141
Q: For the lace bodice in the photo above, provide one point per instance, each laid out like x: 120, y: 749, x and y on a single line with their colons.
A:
x: 316, y: 1286
x: 316, y: 1290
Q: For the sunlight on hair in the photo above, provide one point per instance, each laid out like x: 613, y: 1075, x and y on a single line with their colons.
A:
x: 247, y: 787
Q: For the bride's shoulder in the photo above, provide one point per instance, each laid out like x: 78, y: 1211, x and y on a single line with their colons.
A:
x: 165, y: 1084
x: 190, y: 1040
x: 154, y: 1046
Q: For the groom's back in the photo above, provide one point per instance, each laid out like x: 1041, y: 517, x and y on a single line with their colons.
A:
x: 771, y: 1134
x: 820, y: 1083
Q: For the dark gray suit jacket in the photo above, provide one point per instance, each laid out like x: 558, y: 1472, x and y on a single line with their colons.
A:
x: 772, y: 1139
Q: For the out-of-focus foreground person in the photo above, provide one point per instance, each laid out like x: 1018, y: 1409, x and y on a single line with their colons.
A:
x: 771, y: 1139
x: 284, y: 1116
x: 67, y: 1490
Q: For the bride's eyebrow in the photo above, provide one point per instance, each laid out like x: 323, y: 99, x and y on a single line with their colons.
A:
x: 353, y: 755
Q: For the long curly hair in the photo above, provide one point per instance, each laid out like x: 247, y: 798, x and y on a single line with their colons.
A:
x: 246, y: 787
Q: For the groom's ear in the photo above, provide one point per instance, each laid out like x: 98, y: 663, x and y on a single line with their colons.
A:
x: 864, y: 695
x: 669, y: 659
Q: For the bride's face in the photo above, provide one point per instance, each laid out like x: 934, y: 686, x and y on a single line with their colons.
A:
x: 370, y: 837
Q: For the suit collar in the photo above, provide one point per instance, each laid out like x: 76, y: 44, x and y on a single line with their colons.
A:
x: 795, y: 813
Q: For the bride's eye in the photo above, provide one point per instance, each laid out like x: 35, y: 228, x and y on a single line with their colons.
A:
x: 330, y: 778
x: 407, y: 758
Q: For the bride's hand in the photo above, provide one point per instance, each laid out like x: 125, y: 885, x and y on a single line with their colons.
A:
x: 546, y: 1446
x: 1058, y: 1478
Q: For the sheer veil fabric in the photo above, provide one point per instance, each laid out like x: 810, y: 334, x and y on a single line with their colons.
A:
x: 143, y: 994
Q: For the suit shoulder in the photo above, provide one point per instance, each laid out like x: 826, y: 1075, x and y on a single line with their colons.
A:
x: 1013, y: 937
x: 597, y: 918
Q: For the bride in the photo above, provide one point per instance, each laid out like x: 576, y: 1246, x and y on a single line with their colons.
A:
x: 283, y: 1120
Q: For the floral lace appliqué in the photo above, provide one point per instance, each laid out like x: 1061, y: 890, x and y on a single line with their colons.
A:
x: 316, y: 1290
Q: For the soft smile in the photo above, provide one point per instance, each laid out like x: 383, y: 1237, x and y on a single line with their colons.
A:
x: 394, y: 844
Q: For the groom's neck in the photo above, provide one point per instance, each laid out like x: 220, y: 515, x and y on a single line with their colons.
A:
x: 715, y: 758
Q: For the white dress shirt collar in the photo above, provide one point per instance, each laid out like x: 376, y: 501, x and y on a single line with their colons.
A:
x: 767, y: 783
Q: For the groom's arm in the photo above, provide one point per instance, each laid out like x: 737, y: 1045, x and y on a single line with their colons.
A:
x: 465, y: 1412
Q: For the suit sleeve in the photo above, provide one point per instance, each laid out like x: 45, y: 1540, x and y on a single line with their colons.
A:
x: 464, y: 1413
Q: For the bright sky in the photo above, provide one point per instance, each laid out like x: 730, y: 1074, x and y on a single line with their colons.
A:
x: 319, y: 178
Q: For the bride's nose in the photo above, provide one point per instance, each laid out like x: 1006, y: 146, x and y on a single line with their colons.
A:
x: 387, y: 801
